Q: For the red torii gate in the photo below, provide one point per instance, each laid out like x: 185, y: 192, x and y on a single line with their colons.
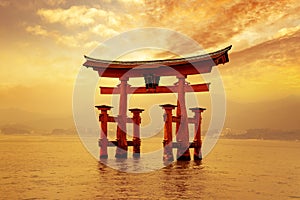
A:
x: 152, y: 71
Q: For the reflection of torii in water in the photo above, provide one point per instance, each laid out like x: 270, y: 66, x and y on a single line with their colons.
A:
x: 152, y: 71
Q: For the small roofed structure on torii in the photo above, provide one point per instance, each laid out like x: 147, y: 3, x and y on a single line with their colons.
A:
x: 152, y: 70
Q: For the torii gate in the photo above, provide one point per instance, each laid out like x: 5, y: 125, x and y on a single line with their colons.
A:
x: 152, y: 71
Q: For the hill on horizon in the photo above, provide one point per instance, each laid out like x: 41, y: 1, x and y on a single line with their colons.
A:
x: 34, y: 120
x: 281, y: 114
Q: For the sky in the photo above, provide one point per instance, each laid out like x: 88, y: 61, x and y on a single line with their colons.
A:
x: 43, y: 43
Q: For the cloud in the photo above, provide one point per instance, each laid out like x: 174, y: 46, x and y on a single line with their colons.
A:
x: 287, y: 31
x: 79, y: 26
x: 264, y: 71
x: 56, y: 2
x: 213, y: 25
x: 83, y: 16
x: 37, y: 30
x: 81, y: 39
x: 264, y: 61
x: 219, y: 23
x: 74, y: 16
x: 75, y: 40
x: 4, y: 3
x: 132, y: 1
x: 103, y: 31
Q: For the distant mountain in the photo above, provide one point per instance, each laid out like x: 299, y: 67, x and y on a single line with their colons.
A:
x: 69, y: 131
x: 266, y: 134
x: 52, y: 123
x: 13, y: 128
x: 34, y: 120
x: 281, y: 114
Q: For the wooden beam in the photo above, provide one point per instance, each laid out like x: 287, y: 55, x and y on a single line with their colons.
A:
x: 114, y: 143
x: 130, y: 143
x: 159, y: 89
x: 184, y: 69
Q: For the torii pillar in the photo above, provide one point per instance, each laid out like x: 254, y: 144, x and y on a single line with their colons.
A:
x: 197, y: 136
x: 122, y: 148
x: 136, y: 140
x: 103, y: 118
x: 182, y: 131
x: 168, y: 139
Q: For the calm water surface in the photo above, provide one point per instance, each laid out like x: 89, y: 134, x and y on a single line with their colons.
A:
x: 48, y: 167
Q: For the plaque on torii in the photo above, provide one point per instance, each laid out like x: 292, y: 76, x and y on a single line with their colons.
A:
x: 151, y: 71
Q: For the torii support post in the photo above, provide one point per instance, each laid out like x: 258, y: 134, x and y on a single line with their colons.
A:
x: 182, y: 132
x: 136, y: 131
x: 121, y: 151
x: 167, y: 142
x: 103, y: 118
x: 197, y: 137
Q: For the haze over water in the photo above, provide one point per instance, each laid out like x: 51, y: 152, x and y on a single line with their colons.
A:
x: 59, y: 167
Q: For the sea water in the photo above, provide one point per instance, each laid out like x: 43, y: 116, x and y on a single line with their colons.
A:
x: 59, y: 167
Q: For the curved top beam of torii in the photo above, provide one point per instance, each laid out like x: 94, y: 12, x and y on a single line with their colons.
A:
x: 182, y: 66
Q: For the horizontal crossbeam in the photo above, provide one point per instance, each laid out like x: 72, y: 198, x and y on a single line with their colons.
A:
x: 159, y: 89
x: 115, y: 143
x: 175, y: 145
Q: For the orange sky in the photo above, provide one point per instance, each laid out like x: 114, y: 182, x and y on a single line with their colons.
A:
x: 43, y: 43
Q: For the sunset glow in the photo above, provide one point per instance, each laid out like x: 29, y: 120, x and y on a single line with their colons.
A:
x: 43, y: 43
